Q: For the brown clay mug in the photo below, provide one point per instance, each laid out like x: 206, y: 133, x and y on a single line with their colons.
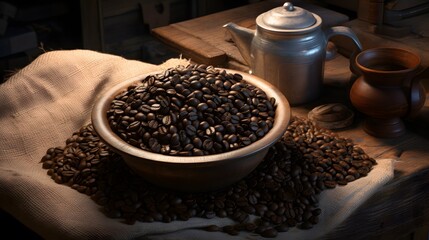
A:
x: 388, y: 89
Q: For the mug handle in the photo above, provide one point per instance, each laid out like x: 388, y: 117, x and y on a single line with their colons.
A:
x: 346, y: 31
x: 416, y: 92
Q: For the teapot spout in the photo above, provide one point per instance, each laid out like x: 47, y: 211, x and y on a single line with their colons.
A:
x: 242, y: 37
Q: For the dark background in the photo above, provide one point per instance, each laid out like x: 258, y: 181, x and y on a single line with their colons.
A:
x: 44, y: 25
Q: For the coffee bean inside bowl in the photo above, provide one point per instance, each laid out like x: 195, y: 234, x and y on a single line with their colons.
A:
x: 190, y: 111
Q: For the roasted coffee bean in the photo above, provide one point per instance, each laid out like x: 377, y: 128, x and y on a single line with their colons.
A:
x: 212, y: 228
x: 191, y: 97
x: 191, y: 130
x: 207, y: 144
x: 350, y: 178
x: 282, y: 228
x: 269, y: 233
x: 281, y: 193
x: 230, y: 230
x: 305, y: 225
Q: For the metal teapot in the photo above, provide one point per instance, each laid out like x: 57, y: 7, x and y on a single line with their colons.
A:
x: 288, y: 49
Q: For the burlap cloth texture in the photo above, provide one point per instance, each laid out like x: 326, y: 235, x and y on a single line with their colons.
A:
x: 45, y: 102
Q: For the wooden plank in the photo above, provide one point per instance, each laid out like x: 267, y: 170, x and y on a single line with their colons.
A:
x: 365, y: 32
x: 92, y: 25
x: 197, y: 50
x: 117, y: 7
x: 209, y: 28
x: 112, y: 8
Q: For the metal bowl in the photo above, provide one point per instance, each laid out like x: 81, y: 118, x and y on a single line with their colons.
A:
x: 192, y: 173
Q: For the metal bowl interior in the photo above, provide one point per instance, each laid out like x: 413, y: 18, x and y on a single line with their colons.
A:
x: 192, y: 173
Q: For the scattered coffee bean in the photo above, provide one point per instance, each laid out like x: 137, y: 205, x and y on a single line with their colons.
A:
x: 281, y: 193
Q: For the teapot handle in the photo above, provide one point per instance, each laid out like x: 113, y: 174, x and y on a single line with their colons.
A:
x: 346, y: 31
x: 417, y: 92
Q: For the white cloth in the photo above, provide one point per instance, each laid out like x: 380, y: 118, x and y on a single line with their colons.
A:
x: 45, y: 102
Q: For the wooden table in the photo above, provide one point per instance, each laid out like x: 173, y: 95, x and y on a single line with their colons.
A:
x: 204, y: 40
x: 400, y: 210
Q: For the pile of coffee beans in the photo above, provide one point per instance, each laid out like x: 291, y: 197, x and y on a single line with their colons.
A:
x: 192, y: 110
x: 280, y: 194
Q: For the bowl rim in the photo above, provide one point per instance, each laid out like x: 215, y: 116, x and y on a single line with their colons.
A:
x: 102, y: 127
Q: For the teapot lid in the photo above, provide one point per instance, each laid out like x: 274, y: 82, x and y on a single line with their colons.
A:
x: 287, y: 17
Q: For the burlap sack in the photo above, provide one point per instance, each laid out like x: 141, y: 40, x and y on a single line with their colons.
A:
x: 44, y: 103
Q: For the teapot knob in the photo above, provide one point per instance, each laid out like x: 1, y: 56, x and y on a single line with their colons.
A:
x: 288, y: 6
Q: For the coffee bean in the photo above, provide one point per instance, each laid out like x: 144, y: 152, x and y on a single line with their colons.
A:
x: 282, y: 228
x: 305, y: 225
x: 281, y: 192
x: 330, y: 184
x: 269, y: 233
x: 230, y: 230
x: 207, y: 144
x: 202, y: 107
x: 188, y: 94
x: 349, y: 178
x: 191, y: 130
x: 212, y: 228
